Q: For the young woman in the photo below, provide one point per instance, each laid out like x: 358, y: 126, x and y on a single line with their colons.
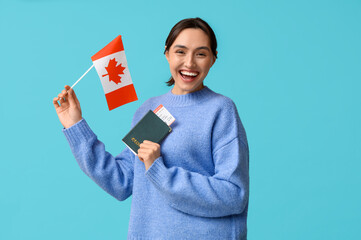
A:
x: 195, y: 184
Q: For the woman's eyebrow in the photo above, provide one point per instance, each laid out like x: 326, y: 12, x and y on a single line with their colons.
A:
x: 182, y: 46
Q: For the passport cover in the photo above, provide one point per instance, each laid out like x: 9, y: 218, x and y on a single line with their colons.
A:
x: 150, y: 128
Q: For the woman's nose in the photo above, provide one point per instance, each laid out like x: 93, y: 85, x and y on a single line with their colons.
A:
x: 189, y: 62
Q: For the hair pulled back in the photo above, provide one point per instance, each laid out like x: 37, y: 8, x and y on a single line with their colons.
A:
x: 196, y: 23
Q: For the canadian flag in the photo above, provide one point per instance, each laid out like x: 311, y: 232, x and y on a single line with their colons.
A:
x: 111, y: 65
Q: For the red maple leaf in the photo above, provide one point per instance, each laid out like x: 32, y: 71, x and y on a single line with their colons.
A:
x: 113, y: 71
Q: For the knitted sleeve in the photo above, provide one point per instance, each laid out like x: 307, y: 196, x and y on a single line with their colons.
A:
x: 113, y: 174
x: 223, y: 194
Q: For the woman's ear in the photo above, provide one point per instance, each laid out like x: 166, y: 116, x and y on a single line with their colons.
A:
x: 214, y: 58
x: 166, y: 53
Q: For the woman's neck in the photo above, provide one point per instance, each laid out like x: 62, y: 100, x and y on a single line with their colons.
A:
x: 178, y: 91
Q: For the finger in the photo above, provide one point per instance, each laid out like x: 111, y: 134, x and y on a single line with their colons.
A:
x: 55, y: 102
x: 62, y: 94
x: 149, y: 143
x: 144, y: 154
x: 144, y: 146
x: 76, y: 99
x: 62, y: 100
x: 140, y: 156
x: 71, y: 97
x: 72, y: 93
x: 142, y: 151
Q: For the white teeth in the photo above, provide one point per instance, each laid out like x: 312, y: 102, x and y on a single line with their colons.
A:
x: 189, y: 73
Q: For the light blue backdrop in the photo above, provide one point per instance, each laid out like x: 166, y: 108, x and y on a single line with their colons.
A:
x: 293, y: 68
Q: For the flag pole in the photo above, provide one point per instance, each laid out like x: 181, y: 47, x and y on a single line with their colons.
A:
x: 82, y: 76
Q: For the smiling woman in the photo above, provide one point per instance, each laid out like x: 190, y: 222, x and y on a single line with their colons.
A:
x: 196, y: 24
x: 194, y: 184
x: 190, y: 59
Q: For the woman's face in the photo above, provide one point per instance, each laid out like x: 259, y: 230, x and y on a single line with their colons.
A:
x: 190, y: 58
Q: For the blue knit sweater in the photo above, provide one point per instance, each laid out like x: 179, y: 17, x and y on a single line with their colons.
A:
x: 198, y: 187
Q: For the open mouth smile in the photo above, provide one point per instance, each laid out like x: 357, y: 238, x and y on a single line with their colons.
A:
x: 188, y: 76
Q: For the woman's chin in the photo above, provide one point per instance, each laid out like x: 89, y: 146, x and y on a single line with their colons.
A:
x: 185, y: 88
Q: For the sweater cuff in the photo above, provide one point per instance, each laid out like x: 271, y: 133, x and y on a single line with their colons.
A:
x: 157, y: 173
x: 79, y: 132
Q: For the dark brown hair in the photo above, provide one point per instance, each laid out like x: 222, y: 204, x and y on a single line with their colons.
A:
x: 190, y: 23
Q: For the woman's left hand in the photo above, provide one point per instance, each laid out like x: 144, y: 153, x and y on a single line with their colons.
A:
x: 148, y: 153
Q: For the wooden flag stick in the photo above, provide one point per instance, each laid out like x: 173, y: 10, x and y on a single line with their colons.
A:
x: 82, y: 76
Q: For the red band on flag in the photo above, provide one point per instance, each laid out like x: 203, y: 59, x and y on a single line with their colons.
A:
x: 114, y: 46
x: 121, y: 96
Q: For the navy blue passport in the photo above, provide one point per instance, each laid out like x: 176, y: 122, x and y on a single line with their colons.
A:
x: 150, y: 128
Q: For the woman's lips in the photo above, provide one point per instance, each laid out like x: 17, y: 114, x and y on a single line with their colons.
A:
x: 188, y: 76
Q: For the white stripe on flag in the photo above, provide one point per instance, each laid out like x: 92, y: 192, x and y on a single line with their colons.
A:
x: 110, y: 86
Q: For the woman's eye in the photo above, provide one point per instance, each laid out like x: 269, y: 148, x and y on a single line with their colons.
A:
x: 201, y: 54
x: 180, y: 52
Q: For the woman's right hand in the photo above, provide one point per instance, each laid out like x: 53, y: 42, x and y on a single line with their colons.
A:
x: 69, y: 111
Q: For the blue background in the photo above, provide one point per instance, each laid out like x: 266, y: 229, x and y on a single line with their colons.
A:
x: 291, y: 67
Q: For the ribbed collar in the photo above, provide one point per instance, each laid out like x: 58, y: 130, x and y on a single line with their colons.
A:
x: 187, y: 99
